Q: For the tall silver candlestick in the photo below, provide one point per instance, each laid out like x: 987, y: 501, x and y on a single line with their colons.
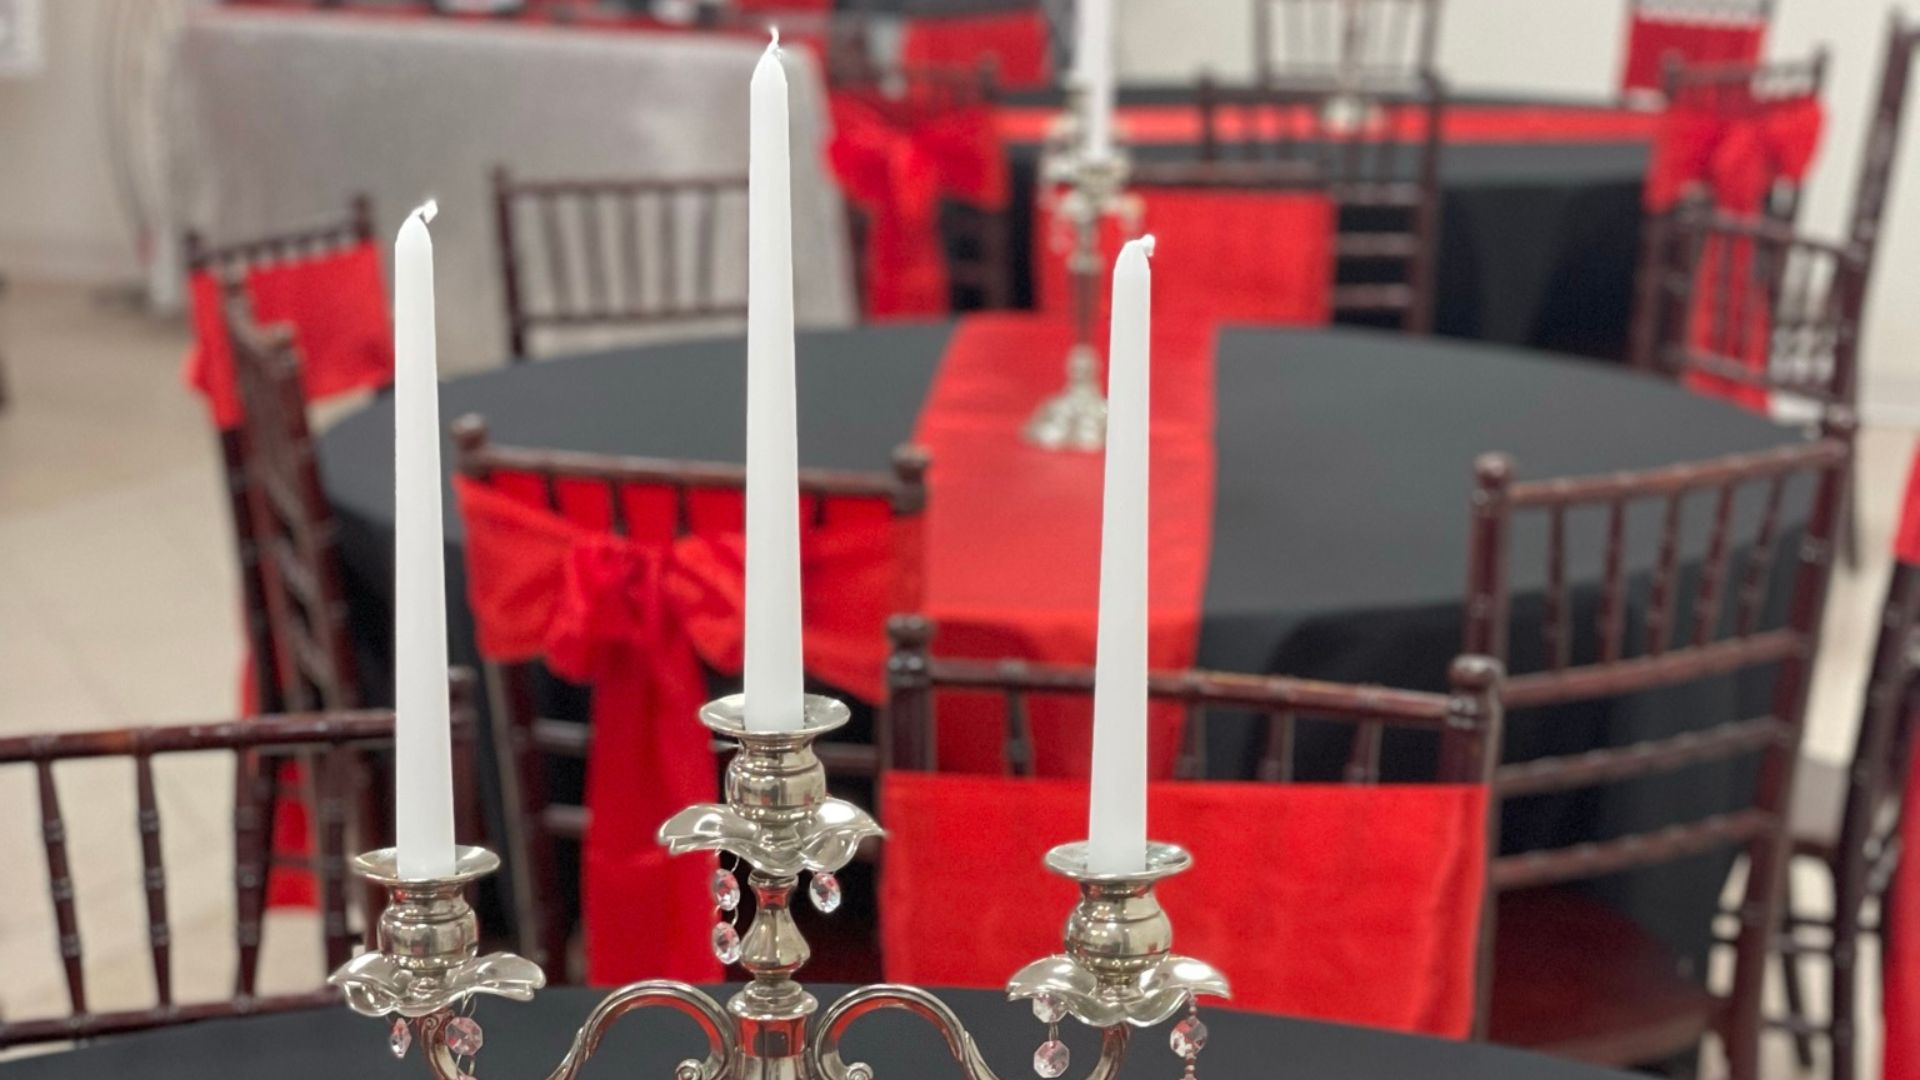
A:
x: 1089, y: 190
x: 1117, y: 970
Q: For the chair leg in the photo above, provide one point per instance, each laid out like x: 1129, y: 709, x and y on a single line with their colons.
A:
x: 1844, y: 957
x: 1791, y: 976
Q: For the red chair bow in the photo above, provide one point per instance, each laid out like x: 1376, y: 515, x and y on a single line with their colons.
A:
x: 1901, y: 911
x: 636, y: 620
x: 1652, y: 37
x: 896, y: 162
x: 338, y: 310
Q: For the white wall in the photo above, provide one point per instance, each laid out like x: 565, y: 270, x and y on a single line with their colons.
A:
x: 1573, y: 47
x: 59, y: 217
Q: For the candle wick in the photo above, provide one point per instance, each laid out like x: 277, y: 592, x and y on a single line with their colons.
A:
x: 426, y: 211
x: 1146, y: 244
x: 774, y: 45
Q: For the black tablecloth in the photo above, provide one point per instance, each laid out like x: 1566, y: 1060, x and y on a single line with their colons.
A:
x: 528, y: 1040
x: 1537, y: 239
x: 1339, y: 541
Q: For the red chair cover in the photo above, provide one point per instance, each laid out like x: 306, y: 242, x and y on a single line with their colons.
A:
x: 1901, y: 964
x: 897, y: 161
x: 1366, y: 899
x: 1737, y: 158
x: 636, y: 617
x: 1015, y: 40
x: 1013, y: 531
x: 1651, y: 37
x: 338, y: 310
x: 1229, y: 255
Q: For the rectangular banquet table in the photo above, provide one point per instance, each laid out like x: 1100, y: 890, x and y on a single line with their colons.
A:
x: 284, y: 115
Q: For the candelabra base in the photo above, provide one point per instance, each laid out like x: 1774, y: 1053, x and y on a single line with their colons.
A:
x: 1076, y: 417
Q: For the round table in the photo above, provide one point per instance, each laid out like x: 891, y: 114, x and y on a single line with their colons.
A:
x: 528, y: 1040
x: 1538, y: 235
x: 1339, y: 539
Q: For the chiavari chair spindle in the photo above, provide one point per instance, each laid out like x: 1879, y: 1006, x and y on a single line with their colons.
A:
x: 154, y: 873
x: 553, y: 239
x: 599, y: 297
x: 1660, y: 606
x: 672, y: 285
x: 330, y: 812
x: 60, y: 888
x: 1557, y: 630
x: 1613, y: 590
x: 1276, y: 756
x: 1711, y: 593
x: 632, y: 249
x: 1760, y: 557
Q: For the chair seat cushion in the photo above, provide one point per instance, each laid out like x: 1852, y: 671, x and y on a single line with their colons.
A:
x: 1575, y: 978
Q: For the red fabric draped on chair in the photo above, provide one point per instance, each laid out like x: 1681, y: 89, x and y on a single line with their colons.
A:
x: 1224, y: 254
x: 640, y: 619
x: 1371, y: 922
x: 1653, y: 36
x: 1735, y: 158
x: 1901, y: 963
x: 337, y: 307
x: 897, y: 160
x: 1016, y: 42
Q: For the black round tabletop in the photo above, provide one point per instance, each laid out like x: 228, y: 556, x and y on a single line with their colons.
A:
x: 527, y: 1040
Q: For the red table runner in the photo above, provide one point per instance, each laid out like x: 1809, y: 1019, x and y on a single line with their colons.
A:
x: 1013, y: 531
x: 1143, y: 124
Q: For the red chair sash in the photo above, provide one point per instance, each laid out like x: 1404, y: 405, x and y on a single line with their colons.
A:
x: 338, y: 310
x: 1366, y: 899
x: 1222, y: 254
x: 1013, y: 531
x: 1651, y: 37
x: 1016, y: 42
x: 636, y: 618
x: 897, y: 161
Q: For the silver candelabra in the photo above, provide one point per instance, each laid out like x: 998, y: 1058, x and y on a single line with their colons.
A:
x: 1118, y: 970
x: 1089, y: 189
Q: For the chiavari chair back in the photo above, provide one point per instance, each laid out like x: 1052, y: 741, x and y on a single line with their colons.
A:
x: 341, y: 744
x: 1705, y: 614
x: 976, y: 237
x: 1692, y: 32
x: 1883, y: 137
x: 1362, y: 40
x: 1750, y: 309
x: 537, y: 749
x: 1322, y: 785
x: 584, y: 255
x: 227, y: 263
x: 310, y: 648
x: 1378, y: 154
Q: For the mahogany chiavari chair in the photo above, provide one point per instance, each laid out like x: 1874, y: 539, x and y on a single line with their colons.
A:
x: 1883, y: 137
x: 1378, y: 155
x: 1692, y: 32
x: 340, y: 743
x: 1566, y: 974
x: 1845, y: 817
x: 1754, y: 306
x: 536, y: 750
x: 977, y: 238
x: 581, y: 254
x: 1367, y: 41
x: 228, y: 263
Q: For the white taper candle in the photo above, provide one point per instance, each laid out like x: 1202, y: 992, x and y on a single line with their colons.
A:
x: 1093, y: 63
x: 1117, y: 810
x: 773, y: 663
x: 423, y: 754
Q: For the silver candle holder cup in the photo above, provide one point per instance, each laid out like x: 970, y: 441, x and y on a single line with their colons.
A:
x: 1117, y: 970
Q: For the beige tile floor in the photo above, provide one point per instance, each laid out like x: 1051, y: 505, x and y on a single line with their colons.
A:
x: 117, y: 606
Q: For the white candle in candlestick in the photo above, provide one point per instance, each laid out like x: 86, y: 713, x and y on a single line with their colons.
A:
x: 1093, y: 63
x: 423, y: 754
x: 772, y: 661
x: 1117, y: 810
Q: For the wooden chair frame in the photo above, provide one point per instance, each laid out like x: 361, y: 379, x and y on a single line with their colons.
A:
x: 229, y: 263
x: 340, y: 742
x: 1389, y: 39
x: 1672, y: 655
x: 525, y: 740
x: 1370, y: 174
x: 608, y: 209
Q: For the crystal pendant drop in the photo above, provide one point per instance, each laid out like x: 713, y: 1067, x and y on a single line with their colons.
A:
x: 1049, y: 1009
x: 726, y: 890
x: 1050, y: 1060
x: 824, y: 891
x: 1189, y: 1037
x: 726, y: 943
x: 399, y: 1038
x: 464, y: 1036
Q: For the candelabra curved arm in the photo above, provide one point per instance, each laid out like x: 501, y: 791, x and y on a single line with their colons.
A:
x: 706, y: 1012
x: 824, y: 1053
